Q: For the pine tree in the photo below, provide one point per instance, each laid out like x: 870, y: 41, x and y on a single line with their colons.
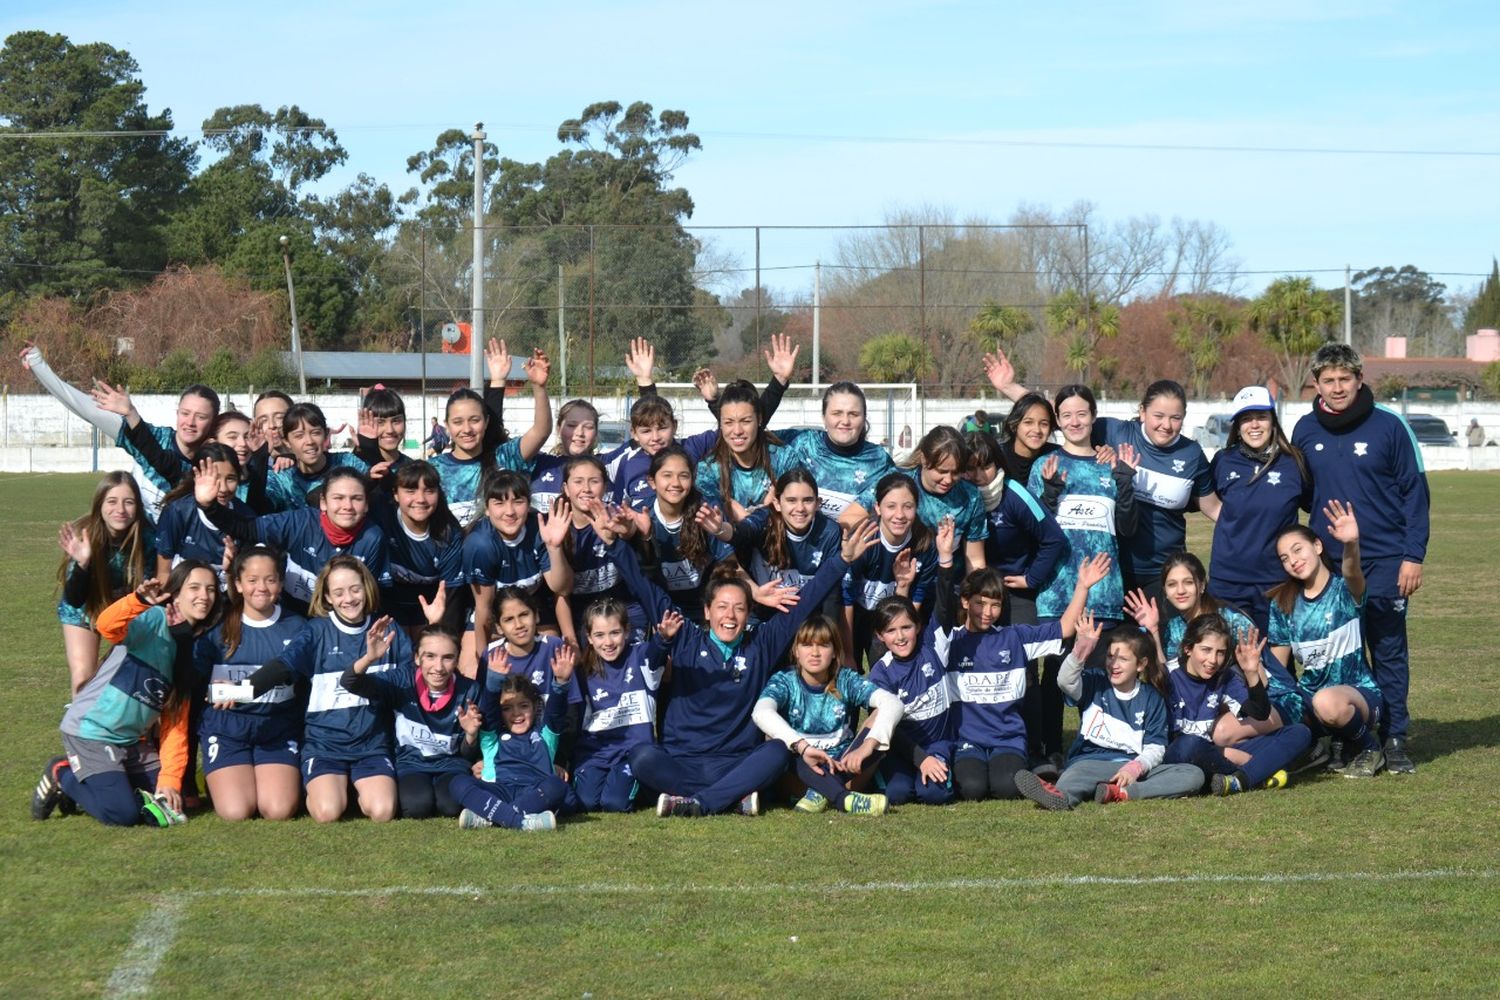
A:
x: 1484, y: 312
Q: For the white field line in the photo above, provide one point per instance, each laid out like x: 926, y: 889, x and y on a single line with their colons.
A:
x: 157, y: 930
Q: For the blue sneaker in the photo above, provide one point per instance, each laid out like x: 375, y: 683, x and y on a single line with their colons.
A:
x: 812, y: 802
x: 539, y: 821
x: 1225, y: 784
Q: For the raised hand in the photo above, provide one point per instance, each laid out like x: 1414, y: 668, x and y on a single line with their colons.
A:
x: 710, y: 519
x: 775, y: 594
x: 782, y: 357
x: 1002, y: 374
x: 230, y: 549
x: 1341, y: 523
x: 553, y: 526
x: 365, y: 424
x: 670, y: 625
x: 470, y: 720
x: 859, y: 538
x: 947, y: 539
x: 74, y: 543
x: 1049, y: 469
x: 564, y: 660
x: 638, y: 521
x: 26, y: 349
x: 1093, y: 570
x: 1143, y: 609
x: 538, y: 368
x: 640, y: 358
x: 1247, y: 653
x: 707, y: 384
x: 379, y: 471
x: 111, y: 398
x: 497, y: 362
x: 1087, y: 636
x: 434, y: 609
x: 150, y: 591
x: 499, y: 660
x: 1127, y: 456
x: 904, y: 571
x: 1105, y: 455
x: 206, y: 483
x: 379, y: 639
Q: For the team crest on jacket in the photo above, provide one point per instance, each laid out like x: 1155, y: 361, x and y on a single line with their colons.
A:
x: 1178, y: 464
x: 1361, y: 447
x: 1274, y: 478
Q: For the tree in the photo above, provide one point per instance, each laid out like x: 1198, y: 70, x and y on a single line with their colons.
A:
x: 1401, y: 302
x: 1484, y: 312
x: 1295, y: 318
x: 1200, y: 329
x: 896, y: 357
x: 83, y: 210
x: 999, y: 327
x: 1081, y: 323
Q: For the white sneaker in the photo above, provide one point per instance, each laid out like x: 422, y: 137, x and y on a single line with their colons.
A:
x: 471, y: 820
x: 750, y: 804
x: 539, y: 821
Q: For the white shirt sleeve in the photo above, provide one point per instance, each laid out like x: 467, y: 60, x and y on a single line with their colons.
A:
x: 888, y: 710
x: 768, y: 717
x: 1070, y: 677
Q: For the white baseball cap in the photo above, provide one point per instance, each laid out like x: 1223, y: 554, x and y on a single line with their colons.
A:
x: 1253, y: 397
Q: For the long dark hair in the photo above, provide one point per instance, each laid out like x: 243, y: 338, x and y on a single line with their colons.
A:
x: 1200, y: 628
x: 692, y: 543
x: 234, y: 609
x: 1279, y: 446
x: 181, y: 686
x: 1284, y: 595
x: 442, y: 524
x: 920, y: 538
x: 774, y: 547
x: 759, y: 456
x: 131, y: 543
x: 486, y: 449
x: 213, y: 451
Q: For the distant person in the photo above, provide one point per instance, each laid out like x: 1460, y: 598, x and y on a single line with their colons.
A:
x: 437, y: 438
x: 1476, y: 434
x: 903, y: 441
x: 979, y: 420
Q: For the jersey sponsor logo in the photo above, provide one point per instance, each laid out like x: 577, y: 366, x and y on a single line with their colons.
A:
x: 410, y: 733
x: 634, y: 708
x: 463, y: 510
x: 832, y: 502
x: 1104, y: 730
x: 592, y: 581
x: 930, y: 703
x: 680, y: 575
x: 1160, y: 489
x: 873, y: 592
x: 328, y: 695
x: 1086, y: 513
x: 991, y: 687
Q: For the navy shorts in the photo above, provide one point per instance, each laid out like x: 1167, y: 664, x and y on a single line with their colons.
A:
x: 226, y: 751
x: 315, y: 765
x: 1373, y: 701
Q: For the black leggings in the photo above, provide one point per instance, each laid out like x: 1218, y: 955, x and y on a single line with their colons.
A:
x: 1042, y: 708
x: 994, y: 778
x: 423, y: 795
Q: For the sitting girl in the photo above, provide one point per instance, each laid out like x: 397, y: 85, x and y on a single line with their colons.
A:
x: 518, y: 787
x: 1122, y: 731
x: 813, y: 708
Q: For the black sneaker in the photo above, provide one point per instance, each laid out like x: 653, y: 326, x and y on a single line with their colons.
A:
x: 1336, y: 759
x: 48, y: 794
x: 1315, y: 758
x: 1397, y: 761
x: 1366, y: 764
x: 1043, y: 793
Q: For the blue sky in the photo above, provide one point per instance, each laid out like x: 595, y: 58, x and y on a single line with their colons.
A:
x: 839, y: 113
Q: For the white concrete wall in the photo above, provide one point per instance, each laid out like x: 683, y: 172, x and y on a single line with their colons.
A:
x: 37, y: 434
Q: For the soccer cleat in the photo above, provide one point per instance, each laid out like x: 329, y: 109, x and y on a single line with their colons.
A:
x: 678, y: 805
x: 49, y: 794
x: 860, y: 804
x: 1337, y: 760
x: 1107, y: 791
x: 1278, y: 780
x: 174, y: 818
x: 152, y: 812
x: 1225, y: 784
x: 1397, y: 761
x: 1043, y: 793
x: 539, y: 821
x: 812, y: 802
x: 471, y: 820
x: 750, y: 804
x: 1366, y: 764
x: 1315, y: 757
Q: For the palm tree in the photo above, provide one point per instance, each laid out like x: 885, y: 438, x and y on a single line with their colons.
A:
x: 1296, y: 318
x: 1082, y: 321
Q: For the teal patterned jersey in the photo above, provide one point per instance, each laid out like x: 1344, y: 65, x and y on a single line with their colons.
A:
x: 460, y: 477
x: 823, y: 720
x: 154, y: 486
x: 288, y: 489
x: 1086, y: 514
x: 845, y: 475
x: 1239, y: 626
x: 1325, y: 636
x: 747, y: 486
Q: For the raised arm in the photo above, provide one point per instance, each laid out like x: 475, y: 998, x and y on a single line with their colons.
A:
x: 1002, y: 375
x: 1343, y: 527
x: 78, y: 402
x: 538, y: 368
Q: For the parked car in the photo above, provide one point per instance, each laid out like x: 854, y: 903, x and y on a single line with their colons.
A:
x: 1431, y: 430
x: 1215, y: 430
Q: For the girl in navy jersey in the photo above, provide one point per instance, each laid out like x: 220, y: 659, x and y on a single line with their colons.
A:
x: 382, y: 428
x: 847, y: 464
x: 304, y: 429
x: 783, y: 544
x: 517, y: 787
x: 595, y: 575
x: 1262, y: 483
x: 939, y: 468
x: 673, y: 539
x: 437, y: 721
x: 904, y: 543
x: 346, y: 738
x: 577, y: 432
x: 619, y: 682
x: 1024, y: 540
x: 251, y: 746
x: 511, y: 546
x: 426, y: 548
x: 530, y: 651
x: 183, y: 532
x: 106, y: 555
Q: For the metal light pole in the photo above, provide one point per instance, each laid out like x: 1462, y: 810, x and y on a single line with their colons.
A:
x: 817, y: 322
x: 291, y: 298
x: 1348, y: 310
x: 476, y: 312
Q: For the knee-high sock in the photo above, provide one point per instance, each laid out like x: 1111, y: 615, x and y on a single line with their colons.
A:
x: 1272, y: 752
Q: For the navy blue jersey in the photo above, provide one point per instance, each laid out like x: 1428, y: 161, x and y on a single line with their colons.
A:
x: 805, y: 553
x: 1377, y: 466
x: 1256, y: 505
x: 429, y: 739
x: 1176, y: 627
x: 492, y: 560
x: 519, y: 758
x: 418, y: 563
x: 988, y: 671
x: 596, y: 576
x: 1166, y: 480
x: 547, y: 480
x: 1115, y: 728
x: 678, y: 576
x: 185, y: 532
x: 714, y: 687
x: 619, y: 705
x: 627, y: 468
x: 1196, y: 704
x: 537, y: 665
x: 461, y: 478
x: 340, y: 724
x: 845, y: 475
x: 1024, y: 538
x: 288, y: 489
x: 921, y: 681
x: 872, y: 577
x: 299, y: 533
x: 274, y: 716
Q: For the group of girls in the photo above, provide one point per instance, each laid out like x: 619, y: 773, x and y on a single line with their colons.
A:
x: 506, y: 636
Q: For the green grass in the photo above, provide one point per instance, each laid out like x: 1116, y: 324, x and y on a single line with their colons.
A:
x: 988, y: 900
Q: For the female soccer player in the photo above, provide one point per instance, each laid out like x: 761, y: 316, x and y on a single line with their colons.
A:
x: 114, y: 770
x: 939, y: 466
x: 425, y: 546
x: 595, y: 574
x: 106, y: 555
x: 184, y: 532
x: 673, y: 538
x: 847, y: 465
x: 904, y: 563
x: 785, y: 542
x: 305, y: 434
x: 737, y: 473
x: 1185, y: 588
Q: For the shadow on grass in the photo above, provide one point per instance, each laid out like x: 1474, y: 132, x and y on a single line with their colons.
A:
x: 1432, y: 739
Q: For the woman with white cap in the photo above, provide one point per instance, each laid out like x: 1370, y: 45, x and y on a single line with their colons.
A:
x: 1262, y: 482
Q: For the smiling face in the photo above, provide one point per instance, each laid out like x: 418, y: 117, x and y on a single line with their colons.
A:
x: 195, y: 415
x: 1076, y: 420
x: 672, y: 482
x: 196, y: 598
x: 1122, y: 666
x: 844, y: 418
x: 727, y: 612
x: 798, y: 504
x: 518, y: 625
x: 1207, y: 657
x: 517, y: 711
x: 607, y: 636
x: 585, y: 484
x: 1161, y: 419
x: 346, y: 594
x: 508, y: 514
x: 417, y: 503
x: 1256, y: 428
x: 268, y: 415
x: 466, y: 419
x: 1033, y: 431
x: 390, y: 432
x: 229, y: 480
x: 1181, y: 589
x: 344, y: 502
x: 119, y: 509
x: 738, y: 424
x: 896, y: 510
x: 308, y: 445
x: 437, y: 659
x: 577, y: 431
x: 234, y: 433
x: 815, y: 660
x: 654, y: 436
x: 939, y: 478
x: 1338, y: 387
x: 900, y: 635
x: 1300, y: 557
x: 260, y: 585
x: 982, y: 613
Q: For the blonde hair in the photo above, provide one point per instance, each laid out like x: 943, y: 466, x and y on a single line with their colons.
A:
x: 319, y: 605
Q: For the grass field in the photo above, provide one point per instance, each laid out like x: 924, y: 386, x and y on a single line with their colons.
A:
x: 1332, y: 887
